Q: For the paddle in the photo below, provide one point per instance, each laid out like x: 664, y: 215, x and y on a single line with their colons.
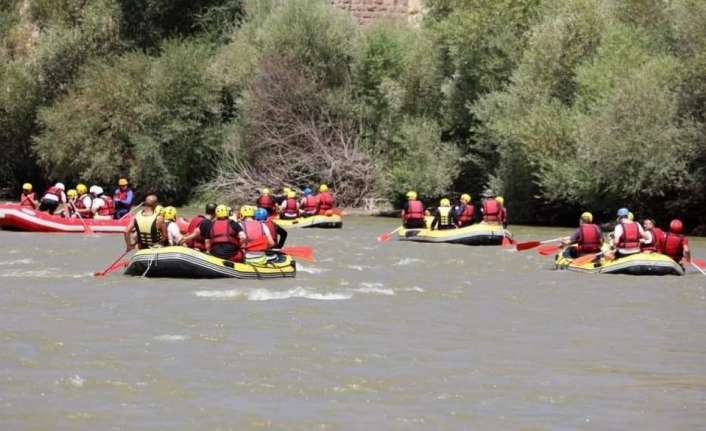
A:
x: 507, y: 242
x: 131, y: 211
x: 86, y: 229
x: 337, y: 211
x: 548, y: 250
x: 699, y: 264
x: 112, y: 266
x: 386, y: 236
x: 586, y: 259
x: 532, y: 244
x: 300, y: 252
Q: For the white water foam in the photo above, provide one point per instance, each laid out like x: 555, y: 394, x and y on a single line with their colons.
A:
x: 167, y: 337
x: 377, y: 288
x: 356, y: 267
x: 407, y: 261
x: 267, y: 295
x: 310, y: 269
x: 16, y: 262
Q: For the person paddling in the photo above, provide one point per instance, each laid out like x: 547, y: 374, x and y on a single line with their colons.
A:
x: 84, y: 202
x: 326, y: 201
x: 173, y: 232
x: 278, y: 233
x: 656, y: 241
x: 465, y: 211
x: 443, y: 216
x: 290, y: 207
x: 503, y: 211
x: 257, y: 236
x: 28, y: 198
x: 309, y: 204
x: 627, y: 236
x: 266, y: 201
x: 491, y: 208
x: 413, y: 212
x: 53, y: 198
x: 675, y: 244
x: 122, y: 198
x: 148, y: 230
x: 587, y: 239
x: 197, y: 226
x: 225, y: 236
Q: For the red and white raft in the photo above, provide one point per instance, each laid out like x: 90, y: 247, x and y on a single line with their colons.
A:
x: 15, y: 217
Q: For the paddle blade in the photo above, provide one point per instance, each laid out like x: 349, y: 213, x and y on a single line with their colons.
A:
x: 337, y: 211
x: 548, y: 250
x: 699, y: 262
x: 528, y: 245
x: 384, y: 237
x: 303, y: 253
x: 507, y: 242
x: 584, y: 259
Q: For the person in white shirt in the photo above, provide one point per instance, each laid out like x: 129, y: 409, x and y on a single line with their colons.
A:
x: 173, y: 231
x: 97, y: 201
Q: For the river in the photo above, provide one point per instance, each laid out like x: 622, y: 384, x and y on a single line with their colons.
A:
x: 373, y: 336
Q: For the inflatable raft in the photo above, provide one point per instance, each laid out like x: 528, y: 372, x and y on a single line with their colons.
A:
x: 476, y: 234
x: 320, y: 221
x: 184, y: 262
x: 16, y: 217
x: 636, y: 264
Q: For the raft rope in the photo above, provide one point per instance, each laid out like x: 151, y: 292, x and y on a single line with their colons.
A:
x: 153, y: 257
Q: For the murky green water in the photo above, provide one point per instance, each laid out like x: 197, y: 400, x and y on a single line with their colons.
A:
x: 393, y: 336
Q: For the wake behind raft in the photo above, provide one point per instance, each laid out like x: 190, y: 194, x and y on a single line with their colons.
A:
x: 184, y: 262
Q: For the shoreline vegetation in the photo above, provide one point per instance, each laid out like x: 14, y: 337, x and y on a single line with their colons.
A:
x: 560, y: 106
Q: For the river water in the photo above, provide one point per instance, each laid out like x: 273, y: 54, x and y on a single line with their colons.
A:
x: 391, y: 336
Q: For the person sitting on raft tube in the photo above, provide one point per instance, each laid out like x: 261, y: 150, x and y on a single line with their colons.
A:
x: 627, y: 236
x: 194, y: 232
x: 225, y: 236
x: 70, y: 207
x: 413, y: 212
x: 587, y: 239
x: 103, y: 207
x: 277, y: 232
x: 170, y: 219
x: 503, y: 211
x: 326, y: 200
x: 53, y: 198
x: 266, y: 201
x: 122, y: 198
x: 28, y: 199
x: 654, y: 245
x: 675, y: 244
x: 258, y: 237
x: 290, y: 207
x: 465, y: 211
x: 443, y: 216
x: 491, y: 208
x: 148, y: 230
x: 309, y: 204
x: 84, y: 202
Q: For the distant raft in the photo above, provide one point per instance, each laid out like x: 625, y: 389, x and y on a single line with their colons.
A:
x: 184, y: 262
x: 476, y: 234
x: 333, y: 221
x: 15, y: 217
x: 635, y: 264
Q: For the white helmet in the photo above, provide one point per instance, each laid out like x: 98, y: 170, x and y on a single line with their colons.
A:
x: 99, y: 190
x: 93, y: 190
x: 60, y: 186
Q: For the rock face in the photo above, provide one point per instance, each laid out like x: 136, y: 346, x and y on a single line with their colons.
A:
x: 367, y: 11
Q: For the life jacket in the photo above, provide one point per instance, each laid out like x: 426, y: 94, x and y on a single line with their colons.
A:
x: 445, y: 216
x: 109, y: 208
x: 79, y: 202
x: 325, y: 202
x: 147, y: 233
x: 492, y: 211
x: 414, y: 211
x: 630, y: 238
x: 196, y: 243
x: 465, y: 215
x: 273, y: 229
x: 266, y: 202
x: 590, y: 239
x: 657, y: 241
x: 673, y: 246
x: 290, y: 208
x: 27, y: 199
x: 256, y: 237
x: 223, y: 233
x: 120, y: 196
x: 310, y: 205
x: 53, y: 191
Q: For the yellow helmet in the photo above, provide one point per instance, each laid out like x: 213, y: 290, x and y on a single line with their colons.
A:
x: 445, y: 202
x: 291, y: 194
x: 412, y: 195
x: 122, y: 182
x: 222, y: 211
x: 587, y: 217
x: 170, y: 213
x: 465, y: 198
x: 323, y: 188
x: 247, y: 211
x: 81, y: 189
x: 631, y: 216
x: 500, y: 200
x: 159, y: 210
x: 71, y: 193
x: 286, y: 190
x: 265, y: 191
x: 27, y: 187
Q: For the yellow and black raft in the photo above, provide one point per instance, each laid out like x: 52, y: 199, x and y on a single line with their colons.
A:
x: 635, y: 264
x: 184, y: 262
x: 475, y: 234
x: 333, y: 221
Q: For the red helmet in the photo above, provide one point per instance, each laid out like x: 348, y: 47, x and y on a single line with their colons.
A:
x: 676, y: 226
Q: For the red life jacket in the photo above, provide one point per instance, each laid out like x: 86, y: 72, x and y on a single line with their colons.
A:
x: 630, y: 237
x: 55, y: 192
x: 266, y: 202
x: 120, y: 195
x: 196, y: 243
x: 273, y: 229
x: 325, y: 202
x: 223, y: 233
x: 109, y: 208
x: 589, y: 239
x: 26, y: 200
x: 657, y: 241
x: 256, y: 237
x: 674, y: 246
x: 491, y: 210
x: 465, y: 217
x: 310, y: 204
x: 415, y: 211
x: 291, y: 209
x: 79, y: 202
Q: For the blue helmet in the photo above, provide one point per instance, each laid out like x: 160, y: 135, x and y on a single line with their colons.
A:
x: 261, y: 214
x: 623, y: 212
x: 307, y: 191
